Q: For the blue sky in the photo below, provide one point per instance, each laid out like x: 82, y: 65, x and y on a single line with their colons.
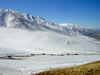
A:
x: 81, y: 12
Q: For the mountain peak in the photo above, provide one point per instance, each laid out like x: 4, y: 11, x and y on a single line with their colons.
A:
x: 10, y: 10
x: 68, y: 24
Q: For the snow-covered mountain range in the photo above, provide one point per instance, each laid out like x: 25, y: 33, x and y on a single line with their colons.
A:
x: 13, y: 19
x: 23, y: 33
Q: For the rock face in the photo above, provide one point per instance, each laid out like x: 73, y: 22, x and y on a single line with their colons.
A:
x: 13, y: 19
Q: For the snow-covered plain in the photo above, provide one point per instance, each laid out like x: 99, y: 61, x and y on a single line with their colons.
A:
x: 34, y: 64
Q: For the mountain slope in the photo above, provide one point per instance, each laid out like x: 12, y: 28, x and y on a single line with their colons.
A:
x: 22, y: 41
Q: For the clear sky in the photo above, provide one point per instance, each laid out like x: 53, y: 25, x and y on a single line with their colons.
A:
x: 81, y: 12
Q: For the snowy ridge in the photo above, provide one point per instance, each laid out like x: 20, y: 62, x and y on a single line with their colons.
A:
x: 14, y: 19
x: 79, y: 29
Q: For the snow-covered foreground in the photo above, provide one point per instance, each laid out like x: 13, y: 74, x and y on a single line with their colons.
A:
x: 34, y: 64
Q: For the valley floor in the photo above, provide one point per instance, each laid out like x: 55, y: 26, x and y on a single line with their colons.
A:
x: 38, y: 63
